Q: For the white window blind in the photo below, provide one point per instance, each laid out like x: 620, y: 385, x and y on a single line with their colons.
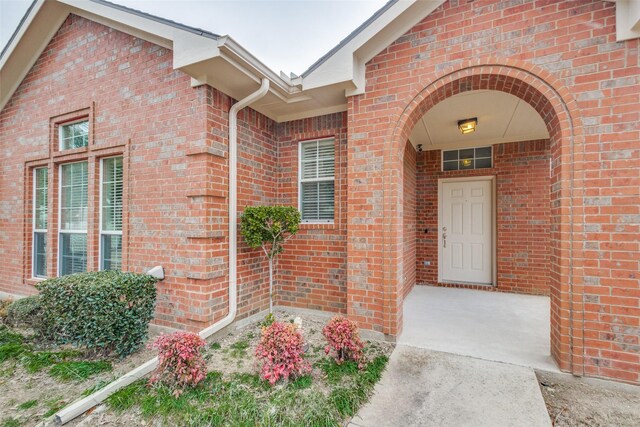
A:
x: 40, y: 212
x: 73, y: 218
x: 74, y: 135
x: 111, y: 214
x: 316, y: 180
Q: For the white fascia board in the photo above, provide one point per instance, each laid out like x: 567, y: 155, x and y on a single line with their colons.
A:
x: 348, y: 63
x: 20, y: 33
x: 228, y: 45
x: 27, y: 45
x: 627, y: 19
x: 304, y: 114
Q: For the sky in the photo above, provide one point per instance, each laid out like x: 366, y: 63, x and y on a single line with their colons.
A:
x: 287, y: 35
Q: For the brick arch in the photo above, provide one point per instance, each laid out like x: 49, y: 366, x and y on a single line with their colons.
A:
x: 559, y: 111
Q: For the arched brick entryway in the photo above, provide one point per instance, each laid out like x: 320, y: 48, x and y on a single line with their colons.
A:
x: 555, y: 105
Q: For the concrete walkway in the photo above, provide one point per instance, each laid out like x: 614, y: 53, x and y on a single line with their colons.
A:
x: 425, y: 388
x: 487, y: 325
x: 465, y: 358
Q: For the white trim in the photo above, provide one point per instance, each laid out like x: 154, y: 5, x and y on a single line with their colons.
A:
x: 35, y: 230
x: 324, y: 179
x: 494, y: 208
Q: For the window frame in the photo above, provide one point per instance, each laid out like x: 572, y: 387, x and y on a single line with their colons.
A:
x: 69, y: 123
x: 33, y: 223
x: 102, y: 232
x: 60, y: 255
x: 301, y: 180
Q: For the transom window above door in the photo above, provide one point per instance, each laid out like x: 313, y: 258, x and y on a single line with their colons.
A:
x: 467, y: 158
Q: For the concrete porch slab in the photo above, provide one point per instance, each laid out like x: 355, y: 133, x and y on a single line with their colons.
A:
x: 493, y: 326
x: 426, y: 388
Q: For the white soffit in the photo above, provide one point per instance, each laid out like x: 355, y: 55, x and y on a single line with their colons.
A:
x: 627, y: 19
x: 346, y: 62
x: 502, y: 118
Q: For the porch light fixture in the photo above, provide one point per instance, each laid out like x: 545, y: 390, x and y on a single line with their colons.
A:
x: 467, y: 125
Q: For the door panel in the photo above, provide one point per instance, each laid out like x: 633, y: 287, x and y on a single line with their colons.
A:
x: 466, y: 234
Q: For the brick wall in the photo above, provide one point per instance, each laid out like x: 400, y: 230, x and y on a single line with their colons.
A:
x: 174, y: 141
x: 563, y: 59
x: 409, y: 218
x: 312, y: 269
x: 523, y: 215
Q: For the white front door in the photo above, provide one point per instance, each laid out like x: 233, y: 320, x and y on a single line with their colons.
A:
x: 466, y: 231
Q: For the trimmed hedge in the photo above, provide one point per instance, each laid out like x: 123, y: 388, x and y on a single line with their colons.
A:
x: 106, y: 311
x: 25, y: 311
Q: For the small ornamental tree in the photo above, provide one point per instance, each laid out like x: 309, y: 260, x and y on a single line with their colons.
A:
x: 269, y: 227
x: 344, y: 339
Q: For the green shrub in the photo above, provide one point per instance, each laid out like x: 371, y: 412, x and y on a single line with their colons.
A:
x: 106, y: 311
x: 25, y: 311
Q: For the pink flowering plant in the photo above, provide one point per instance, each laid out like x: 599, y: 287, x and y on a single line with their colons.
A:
x: 180, y: 361
x: 281, y: 350
x: 344, y: 340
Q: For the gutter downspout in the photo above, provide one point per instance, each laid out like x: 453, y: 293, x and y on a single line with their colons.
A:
x: 81, y: 406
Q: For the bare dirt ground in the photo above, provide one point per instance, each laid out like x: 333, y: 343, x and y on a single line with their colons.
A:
x: 577, y: 402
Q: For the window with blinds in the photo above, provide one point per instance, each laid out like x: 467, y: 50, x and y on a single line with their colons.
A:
x: 111, y: 214
x: 73, y: 218
x: 40, y: 212
x: 74, y: 135
x: 316, y: 180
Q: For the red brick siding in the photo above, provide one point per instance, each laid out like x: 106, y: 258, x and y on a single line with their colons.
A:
x: 562, y: 57
x: 174, y: 140
x: 312, y: 269
x: 523, y: 215
x: 409, y: 218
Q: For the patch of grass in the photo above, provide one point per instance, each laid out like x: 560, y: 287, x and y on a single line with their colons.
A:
x: 7, y: 336
x: 79, y: 371
x: 250, y: 335
x: 126, y: 397
x: 37, y: 361
x: 12, y: 351
x: 245, y: 399
x: 215, y: 346
x: 28, y: 404
x: 12, y: 345
x: 238, y: 349
x: 10, y: 422
x: 300, y: 383
x: 334, y: 372
x: 54, y: 406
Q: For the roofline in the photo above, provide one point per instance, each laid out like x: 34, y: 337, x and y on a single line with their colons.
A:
x: 350, y: 37
x: 178, y: 25
x: 17, y: 29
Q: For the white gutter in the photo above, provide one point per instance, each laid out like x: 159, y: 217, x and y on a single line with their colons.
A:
x: 81, y: 406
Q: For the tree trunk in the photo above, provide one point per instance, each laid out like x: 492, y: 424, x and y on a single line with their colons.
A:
x: 270, y: 285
